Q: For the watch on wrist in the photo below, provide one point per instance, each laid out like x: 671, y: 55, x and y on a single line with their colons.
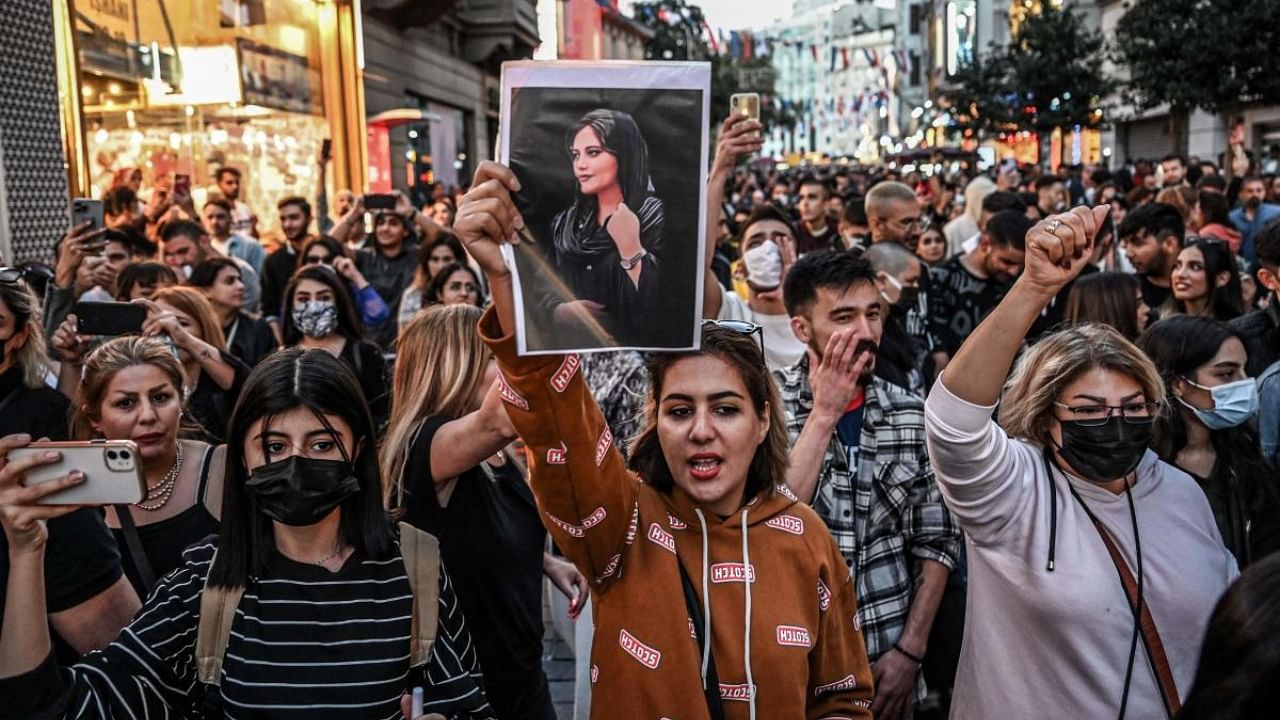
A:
x: 628, y: 263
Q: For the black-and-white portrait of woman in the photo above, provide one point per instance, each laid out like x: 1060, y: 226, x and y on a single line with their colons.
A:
x: 609, y: 158
x: 608, y: 244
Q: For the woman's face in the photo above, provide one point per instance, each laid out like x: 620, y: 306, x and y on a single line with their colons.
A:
x: 931, y: 247
x: 441, y: 256
x: 460, y: 289
x: 1227, y: 366
x: 141, y: 404
x: 140, y: 290
x: 12, y: 338
x: 1144, y: 312
x: 308, y: 290
x: 1248, y: 291
x: 1097, y: 387
x: 296, y: 432
x: 595, y: 168
x: 389, y: 229
x: 1190, y: 282
x: 227, y: 291
x: 442, y: 213
x: 187, y: 322
x: 709, y: 431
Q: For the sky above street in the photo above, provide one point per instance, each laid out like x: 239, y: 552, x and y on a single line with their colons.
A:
x: 735, y: 14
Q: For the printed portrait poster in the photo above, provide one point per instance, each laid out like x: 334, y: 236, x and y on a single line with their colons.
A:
x: 612, y: 162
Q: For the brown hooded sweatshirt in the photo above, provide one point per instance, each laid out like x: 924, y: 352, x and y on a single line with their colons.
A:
x: 773, y: 588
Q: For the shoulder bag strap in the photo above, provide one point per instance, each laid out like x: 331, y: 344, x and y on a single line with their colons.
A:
x: 1146, y: 624
x: 217, y: 613
x: 133, y: 543
x: 421, y: 553
x: 711, y: 689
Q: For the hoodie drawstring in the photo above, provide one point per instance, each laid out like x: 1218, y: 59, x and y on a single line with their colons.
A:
x: 746, y: 637
x: 706, y: 601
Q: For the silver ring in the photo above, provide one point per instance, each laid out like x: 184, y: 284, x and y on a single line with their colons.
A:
x: 1053, y: 226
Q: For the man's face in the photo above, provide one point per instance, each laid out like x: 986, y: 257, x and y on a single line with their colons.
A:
x: 294, y: 222
x: 908, y: 278
x: 779, y: 197
x: 1147, y: 254
x: 1208, y: 169
x: 1001, y: 264
x: 848, y: 230
x: 182, y: 250
x: 229, y: 184
x: 1053, y: 197
x: 217, y: 221
x: 899, y: 223
x: 812, y: 203
x: 345, y: 199
x: 1252, y: 193
x: 763, y: 230
x: 856, y: 308
x: 1173, y: 172
x: 116, y: 254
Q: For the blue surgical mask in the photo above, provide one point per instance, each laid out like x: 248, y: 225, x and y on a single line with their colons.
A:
x: 1233, y: 404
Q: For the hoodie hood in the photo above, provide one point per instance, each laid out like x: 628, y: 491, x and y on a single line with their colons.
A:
x: 759, y: 509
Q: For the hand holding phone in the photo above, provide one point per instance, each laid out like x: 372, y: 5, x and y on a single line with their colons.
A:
x: 379, y: 201
x: 111, y: 471
x: 87, y: 210
x: 746, y: 105
x: 109, y: 318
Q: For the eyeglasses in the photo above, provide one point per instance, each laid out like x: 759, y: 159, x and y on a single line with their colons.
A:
x: 741, y: 327
x: 1143, y: 413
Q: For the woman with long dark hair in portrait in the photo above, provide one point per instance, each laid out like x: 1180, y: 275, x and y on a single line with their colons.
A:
x: 608, y: 244
x: 1206, y: 282
x: 305, y: 605
x: 1208, y: 434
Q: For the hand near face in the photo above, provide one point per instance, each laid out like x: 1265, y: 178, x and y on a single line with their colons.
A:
x: 70, y: 345
x: 833, y: 377
x: 624, y: 228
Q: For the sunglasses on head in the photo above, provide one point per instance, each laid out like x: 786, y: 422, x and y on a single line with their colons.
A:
x: 741, y: 327
x: 11, y: 275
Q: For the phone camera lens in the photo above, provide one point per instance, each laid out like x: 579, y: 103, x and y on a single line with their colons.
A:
x: 111, y: 454
x: 124, y: 454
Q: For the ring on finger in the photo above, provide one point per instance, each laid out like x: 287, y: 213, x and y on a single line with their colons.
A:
x: 1054, y: 224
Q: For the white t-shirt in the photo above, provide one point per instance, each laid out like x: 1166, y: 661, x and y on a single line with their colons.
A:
x: 781, y: 348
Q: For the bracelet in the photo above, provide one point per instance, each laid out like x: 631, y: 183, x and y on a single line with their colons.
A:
x: 913, y: 658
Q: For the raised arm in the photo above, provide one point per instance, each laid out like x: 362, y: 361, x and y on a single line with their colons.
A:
x: 734, y: 142
x: 587, y: 498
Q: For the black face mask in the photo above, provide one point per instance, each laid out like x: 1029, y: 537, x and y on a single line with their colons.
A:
x: 907, y: 298
x: 1104, y: 453
x: 301, y: 491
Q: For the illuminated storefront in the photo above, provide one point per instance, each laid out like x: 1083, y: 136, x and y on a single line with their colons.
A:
x: 185, y: 87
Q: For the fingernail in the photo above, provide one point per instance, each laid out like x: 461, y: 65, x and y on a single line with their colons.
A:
x: 22, y: 438
x: 519, y: 222
x: 51, y: 455
x: 76, y: 476
x: 515, y: 184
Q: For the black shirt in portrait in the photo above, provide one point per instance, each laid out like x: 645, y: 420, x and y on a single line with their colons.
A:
x: 959, y: 301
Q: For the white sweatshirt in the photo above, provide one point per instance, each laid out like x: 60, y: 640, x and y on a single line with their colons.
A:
x: 1043, y: 644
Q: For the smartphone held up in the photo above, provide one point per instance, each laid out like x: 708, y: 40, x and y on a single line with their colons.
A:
x: 112, y: 471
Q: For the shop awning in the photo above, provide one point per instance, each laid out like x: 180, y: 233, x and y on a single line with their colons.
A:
x: 403, y: 116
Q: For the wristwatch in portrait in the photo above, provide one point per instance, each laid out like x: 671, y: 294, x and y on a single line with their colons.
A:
x: 628, y: 263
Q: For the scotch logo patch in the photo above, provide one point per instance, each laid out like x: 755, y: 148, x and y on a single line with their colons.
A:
x: 557, y: 456
x: 595, y: 518
x: 595, y: 674
x: 741, y: 693
x: 824, y: 596
x: 794, y: 636
x: 603, y: 445
x: 662, y: 537
x: 857, y: 622
x: 732, y: 572
x: 610, y: 568
x: 785, y: 492
x: 573, y: 530
x: 693, y: 631
x: 646, y: 655
x: 509, y: 394
x: 847, y: 682
x: 786, y: 523
x: 560, y: 381
x: 676, y: 523
x: 635, y: 522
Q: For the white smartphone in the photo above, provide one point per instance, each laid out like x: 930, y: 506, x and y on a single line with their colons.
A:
x: 112, y: 471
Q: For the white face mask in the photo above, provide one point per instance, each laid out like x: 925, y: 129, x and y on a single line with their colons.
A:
x: 764, y: 265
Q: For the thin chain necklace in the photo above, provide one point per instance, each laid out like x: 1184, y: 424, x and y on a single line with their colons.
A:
x: 158, y: 496
x: 336, y: 552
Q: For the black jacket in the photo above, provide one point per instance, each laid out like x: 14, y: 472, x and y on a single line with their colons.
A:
x: 1261, y: 332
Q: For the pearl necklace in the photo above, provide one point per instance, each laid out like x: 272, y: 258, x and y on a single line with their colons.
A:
x: 158, y: 496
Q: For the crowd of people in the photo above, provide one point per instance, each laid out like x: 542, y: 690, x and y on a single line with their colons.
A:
x: 985, y: 444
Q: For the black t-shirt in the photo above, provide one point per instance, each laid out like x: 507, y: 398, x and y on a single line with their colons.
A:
x: 959, y: 301
x: 250, y: 339
x: 40, y: 412
x: 210, y: 405
x: 1153, y: 295
x: 80, y: 561
x: 491, y: 539
x: 370, y: 368
x: 276, y: 271
x: 389, y: 276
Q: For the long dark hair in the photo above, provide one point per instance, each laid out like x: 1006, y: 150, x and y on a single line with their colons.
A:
x: 335, y: 248
x: 620, y: 136
x: 349, y: 325
x: 289, y: 379
x: 742, y: 352
x: 1241, y: 651
x: 436, y: 288
x: 1223, y: 302
x: 1178, y: 345
x: 1110, y: 298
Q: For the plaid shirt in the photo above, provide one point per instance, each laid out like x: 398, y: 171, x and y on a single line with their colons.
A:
x: 887, y: 512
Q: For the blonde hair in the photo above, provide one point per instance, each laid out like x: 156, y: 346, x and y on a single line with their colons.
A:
x: 1026, y: 404
x: 101, y: 367
x: 25, y: 308
x: 440, y: 363
x: 194, y: 303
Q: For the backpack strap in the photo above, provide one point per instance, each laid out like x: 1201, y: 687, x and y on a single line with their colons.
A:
x: 217, y: 612
x: 421, y: 553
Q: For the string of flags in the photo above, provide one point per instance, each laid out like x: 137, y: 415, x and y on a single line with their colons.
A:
x: 745, y: 45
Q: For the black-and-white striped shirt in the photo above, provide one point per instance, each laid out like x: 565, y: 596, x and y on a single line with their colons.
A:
x: 305, y: 643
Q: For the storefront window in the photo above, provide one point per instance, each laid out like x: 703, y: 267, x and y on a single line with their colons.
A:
x: 187, y: 88
x: 438, y: 149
